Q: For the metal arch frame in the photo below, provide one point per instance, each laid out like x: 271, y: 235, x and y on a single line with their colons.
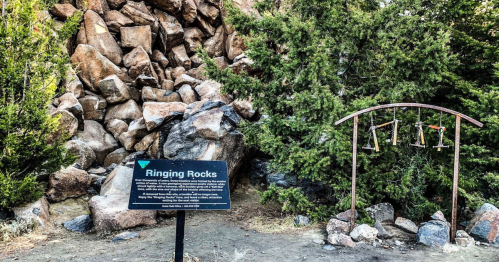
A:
x: 455, y: 185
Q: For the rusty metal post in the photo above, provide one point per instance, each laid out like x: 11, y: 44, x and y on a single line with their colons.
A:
x: 455, y: 183
x: 354, y: 171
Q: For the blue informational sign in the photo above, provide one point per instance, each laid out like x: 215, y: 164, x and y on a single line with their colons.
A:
x: 179, y: 185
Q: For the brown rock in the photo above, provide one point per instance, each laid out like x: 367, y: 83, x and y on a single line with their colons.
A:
x: 171, y: 33
x: 94, y: 107
x: 340, y: 239
x: 205, y: 26
x: 160, y: 58
x: 73, y: 84
x: 146, y: 142
x: 98, y: 36
x: 177, y: 72
x: 144, y: 80
x: 244, y: 108
x: 94, y: 67
x: 137, y: 128
x: 188, y: 95
x: 154, y: 151
x: 127, y: 141
x: 38, y: 212
x: 114, y: 90
x: 155, y: 113
x: 111, y: 213
x: 195, y: 61
x: 138, y: 62
x: 189, y: 11
x: 210, y: 90
x: 222, y: 62
x: 63, y: 11
x: 208, y: 11
x: 116, y: 4
x: 85, y: 154
x: 337, y: 226
x: 101, y: 142
x: 198, y: 73
x: 69, y: 102
x: 68, y: 126
x: 243, y: 65
x: 141, y: 16
x: 234, y: 46
x: 159, y: 72
x: 116, y: 127
x: 127, y: 112
x: 186, y: 80
x: 81, y: 37
x: 171, y: 6
x: 115, y: 20
x: 168, y: 85
x: 229, y: 29
x: 132, y: 37
x: 168, y: 73
x: 150, y: 94
x: 98, y: 6
x: 193, y: 38
x: 178, y: 57
x: 116, y: 156
x: 214, y: 46
x: 66, y: 183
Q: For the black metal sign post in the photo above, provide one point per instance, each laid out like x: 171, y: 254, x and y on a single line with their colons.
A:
x: 179, y: 185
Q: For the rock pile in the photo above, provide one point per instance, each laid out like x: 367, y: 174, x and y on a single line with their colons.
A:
x: 138, y: 71
x: 137, y: 90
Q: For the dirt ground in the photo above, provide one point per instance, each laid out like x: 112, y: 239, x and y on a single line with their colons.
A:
x: 248, y: 232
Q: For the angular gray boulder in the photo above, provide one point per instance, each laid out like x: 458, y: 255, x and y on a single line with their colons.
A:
x: 435, y: 233
x: 101, y: 142
x: 207, y: 133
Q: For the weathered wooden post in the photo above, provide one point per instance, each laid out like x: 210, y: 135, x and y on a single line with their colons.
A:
x: 354, y: 171
x: 455, y: 183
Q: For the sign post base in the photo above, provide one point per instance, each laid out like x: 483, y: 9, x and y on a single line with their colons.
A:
x: 179, y: 237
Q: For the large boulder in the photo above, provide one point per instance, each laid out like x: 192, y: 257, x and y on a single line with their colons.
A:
x: 93, y: 66
x: 406, y: 225
x: 72, y: 84
x: 364, y: 233
x: 141, y: 16
x: 185, y: 79
x: 234, y: 45
x: 127, y: 112
x: 189, y: 10
x: 155, y: 113
x: 205, y: 26
x: 171, y: 33
x: 69, y: 103
x: 98, y: 36
x: 101, y: 142
x: 111, y: 213
x: 94, y: 107
x: 208, y: 135
x: 193, y: 38
x: 119, y: 182
x: 340, y: 239
x: 150, y: 94
x: 210, y: 90
x: 116, y: 127
x: 178, y: 57
x: 160, y: 58
x: 68, y: 182
x: 85, y: 154
x: 146, y: 142
x: 132, y: 37
x: 38, y: 212
x: 337, y: 226
x: 114, y: 90
x: 484, y: 226
x: 171, y: 6
x: 434, y: 233
x: 115, y: 20
x: 244, y: 108
x: 208, y: 11
x: 188, y: 95
x: 381, y: 212
x: 68, y: 125
x: 63, y: 11
x: 214, y: 45
x: 116, y: 156
x: 139, y: 63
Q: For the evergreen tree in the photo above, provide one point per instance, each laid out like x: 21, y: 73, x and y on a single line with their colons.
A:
x: 32, y: 62
x: 344, y: 56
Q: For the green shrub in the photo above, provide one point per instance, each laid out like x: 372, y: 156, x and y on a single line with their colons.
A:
x: 344, y: 56
x: 15, y: 192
